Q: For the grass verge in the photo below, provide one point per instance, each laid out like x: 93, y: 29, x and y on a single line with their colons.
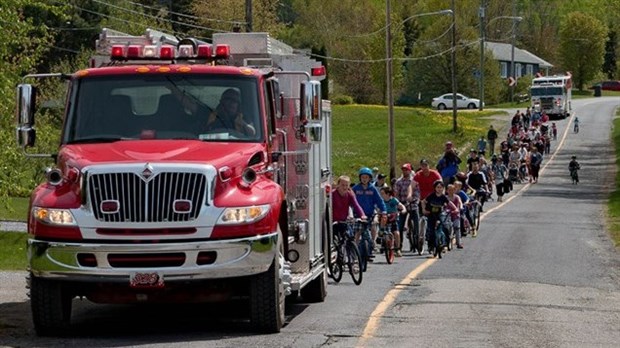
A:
x: 13, y: 251
x: 17, y: 209
x: 613, y: 207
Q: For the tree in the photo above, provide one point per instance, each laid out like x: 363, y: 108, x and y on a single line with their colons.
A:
x: 582, y: 46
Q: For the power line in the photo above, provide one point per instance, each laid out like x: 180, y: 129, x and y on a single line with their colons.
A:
x: 130, y: 22
x: 155, y: 17
x: 405, y: 59
x: 188, y: 16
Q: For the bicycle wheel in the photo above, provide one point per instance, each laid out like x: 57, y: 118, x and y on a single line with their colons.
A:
x: 363, y: 253
x: 421, y: 235
x: 410, y: 236
x: 335, y: 267
x: 354, y: 262
x: 388, y: 247
x: 476, y: 217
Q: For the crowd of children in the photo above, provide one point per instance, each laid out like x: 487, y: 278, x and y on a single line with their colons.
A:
x: 446, y: 188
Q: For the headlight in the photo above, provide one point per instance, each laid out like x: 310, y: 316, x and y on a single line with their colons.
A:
x: 243, y: 215
x: 53, y: 216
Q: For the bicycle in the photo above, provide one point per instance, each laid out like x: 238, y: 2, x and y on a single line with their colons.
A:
x: 473, y: 209
x: 574, y: 175
x: 347, y: 254
x: 386, y: 237
x: 416, y: 238
x: 365, y: 245
x: 438, y: 242
x: 448, y: 230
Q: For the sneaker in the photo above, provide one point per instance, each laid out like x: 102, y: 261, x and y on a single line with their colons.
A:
x: 460, y: 246
x: 398, y: 253
x: 475, y: 233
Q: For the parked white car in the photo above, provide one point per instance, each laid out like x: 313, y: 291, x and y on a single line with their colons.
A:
x: 462, y: 102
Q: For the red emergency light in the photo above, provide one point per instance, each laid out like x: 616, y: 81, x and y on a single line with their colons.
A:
x: 222, y: 51
x: 167, y: 52
x: 204, y: 51
x: 134, y: 51
x: 319, y: 71
x: 118, y: 51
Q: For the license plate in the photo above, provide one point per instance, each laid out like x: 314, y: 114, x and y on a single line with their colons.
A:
x: 146, y: 280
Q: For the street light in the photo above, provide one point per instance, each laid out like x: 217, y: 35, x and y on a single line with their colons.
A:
x: 388, y: 87
x: 482, y: 39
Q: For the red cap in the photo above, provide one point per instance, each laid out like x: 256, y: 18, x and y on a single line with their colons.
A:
x: 406, y: 166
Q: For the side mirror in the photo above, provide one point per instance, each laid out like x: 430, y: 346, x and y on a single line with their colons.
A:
x: 26, y: 99
x: 311, y: 107
x: 311, y: 111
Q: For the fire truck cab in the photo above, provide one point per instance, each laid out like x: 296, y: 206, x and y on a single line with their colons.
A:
x: 186, y: 172
x: 552, y: 94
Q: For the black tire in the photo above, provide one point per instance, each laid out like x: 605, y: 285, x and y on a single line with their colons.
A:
x: 477, y: 217
x: 388, y: 248
x: 471, y: 106
x: 421, y: 233
x: 316, y: 290
x: 51, y: 307
x: 267, y: 300
x: 354, y: 262
x: 364, y: 253
x: 411, y: 236
x: 441, y: 106
x: 336, y: 271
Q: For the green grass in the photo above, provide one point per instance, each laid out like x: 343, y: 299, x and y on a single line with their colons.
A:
x: 361, y: 138
x: 13, y: 250
x: 17, y: 209
x: 613, y: 207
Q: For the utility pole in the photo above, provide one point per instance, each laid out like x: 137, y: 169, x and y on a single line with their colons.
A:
x: 512, y: 54
x: 388, y: 89
x: 481, y: 72
x: 248, y: 16
x: 453, y: 69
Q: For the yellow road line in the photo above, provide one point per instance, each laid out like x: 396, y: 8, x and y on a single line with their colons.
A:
x: 390, y: 297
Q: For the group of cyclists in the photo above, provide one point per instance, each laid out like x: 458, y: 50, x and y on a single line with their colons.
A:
x: 441, y: 204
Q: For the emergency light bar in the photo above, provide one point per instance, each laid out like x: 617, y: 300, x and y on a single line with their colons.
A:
x: 169, y: 52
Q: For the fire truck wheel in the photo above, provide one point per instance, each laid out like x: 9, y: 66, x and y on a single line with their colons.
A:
x: 51, y: 307
x: 267, y: 298
x: 316, y: 290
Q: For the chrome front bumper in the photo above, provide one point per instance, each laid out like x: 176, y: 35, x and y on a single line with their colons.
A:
x: 235, y: 258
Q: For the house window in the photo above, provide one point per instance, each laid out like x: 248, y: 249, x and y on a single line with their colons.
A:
x: 503, y: 68
x: 518, y: 71
x: 529, y: 69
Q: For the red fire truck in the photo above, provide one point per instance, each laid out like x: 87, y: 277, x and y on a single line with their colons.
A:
x: 186, y: 172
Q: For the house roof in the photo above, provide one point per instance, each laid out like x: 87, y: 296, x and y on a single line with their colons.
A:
x: 503, y: 51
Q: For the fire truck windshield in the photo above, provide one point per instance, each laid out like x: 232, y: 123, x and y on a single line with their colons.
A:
x: 209, y: 108
x: 543, y: 91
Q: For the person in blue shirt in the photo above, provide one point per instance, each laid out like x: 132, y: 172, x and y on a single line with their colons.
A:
x: 369, y: 199
x: 448, y: 164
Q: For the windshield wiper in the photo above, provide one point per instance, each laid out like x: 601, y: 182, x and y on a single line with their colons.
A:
x: 96, y: 140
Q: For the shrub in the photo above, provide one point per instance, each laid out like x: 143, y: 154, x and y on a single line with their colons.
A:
x: 342, y: 100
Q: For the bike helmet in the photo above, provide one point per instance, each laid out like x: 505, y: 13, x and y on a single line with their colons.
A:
x: 366, y: 171
x: 437, y: 182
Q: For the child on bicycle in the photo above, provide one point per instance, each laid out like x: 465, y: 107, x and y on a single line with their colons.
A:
x: 343, y: 200
x: 573, y: 167
x: 369, y: 200
x: 432, y: 206
x: 393, y: 208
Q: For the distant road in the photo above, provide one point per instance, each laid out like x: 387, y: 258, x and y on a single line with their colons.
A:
x: 15, y: 226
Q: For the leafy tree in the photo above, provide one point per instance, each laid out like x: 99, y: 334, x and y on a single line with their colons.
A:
x: 582, y: 46
x: 610, y: 62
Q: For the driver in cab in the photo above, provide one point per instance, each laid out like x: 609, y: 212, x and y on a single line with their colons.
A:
x: 228, y: 116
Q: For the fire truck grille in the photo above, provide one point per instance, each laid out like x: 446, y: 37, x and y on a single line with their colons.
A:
x: 546, y: 103
x: 167, y: 197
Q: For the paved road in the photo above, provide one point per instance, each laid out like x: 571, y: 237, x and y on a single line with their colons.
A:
x: 542, y: 273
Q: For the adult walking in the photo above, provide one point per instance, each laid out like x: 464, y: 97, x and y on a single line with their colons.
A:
x: 536, y: 159
x: 491, y: 137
